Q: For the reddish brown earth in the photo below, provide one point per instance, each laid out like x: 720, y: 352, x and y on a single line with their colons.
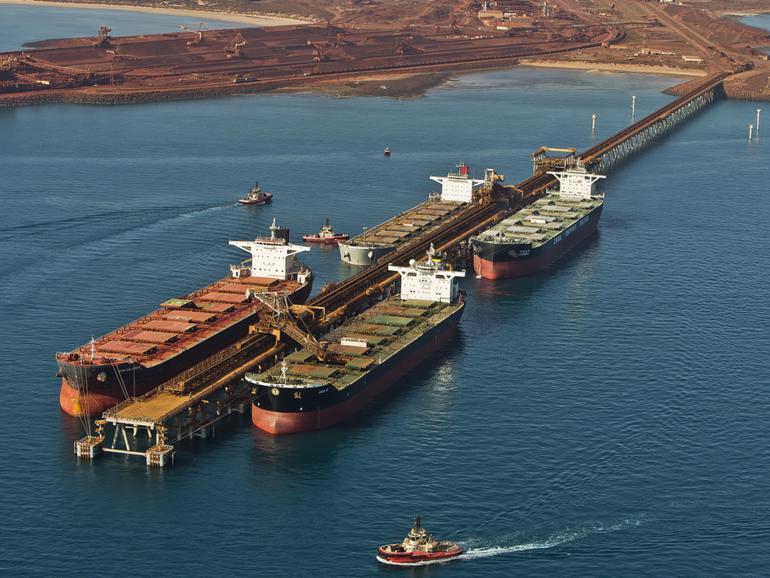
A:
x: 176, y: 65
x: 375, y: 39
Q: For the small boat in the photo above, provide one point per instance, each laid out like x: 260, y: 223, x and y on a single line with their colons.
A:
x: 418, y: 548
x: 326, y: 236
x: 386, y: 152
x: 256, y: 196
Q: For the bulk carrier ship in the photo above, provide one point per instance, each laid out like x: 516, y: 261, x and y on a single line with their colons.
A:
x: 141, y: 355
x: 456, y: 189
x: 367, y: 354
x: 537, y: 235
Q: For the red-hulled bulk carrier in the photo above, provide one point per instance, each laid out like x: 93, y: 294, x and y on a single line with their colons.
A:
x: 141, y: 355
x: 537, y: 235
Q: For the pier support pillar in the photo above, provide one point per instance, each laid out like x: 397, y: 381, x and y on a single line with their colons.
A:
x: 89, y: 447
x: 160, y: 455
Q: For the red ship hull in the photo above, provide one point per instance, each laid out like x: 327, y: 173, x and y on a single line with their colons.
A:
x: 268, y: 198
x: 278, y: 423
x: 416, y: 558
x: 325, y: 240
x: 77, y: 403
x: 528, y: 266
x: 93, y: 401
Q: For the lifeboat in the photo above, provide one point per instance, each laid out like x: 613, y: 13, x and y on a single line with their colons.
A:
x: 326, y: 236
x: 418, y: 548
x: 256, y: 196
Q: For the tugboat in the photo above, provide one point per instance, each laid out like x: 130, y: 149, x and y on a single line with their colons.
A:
x: 418, y: 548
x: 386, y: 152
x: 326, y: 236
x: 256, y: 196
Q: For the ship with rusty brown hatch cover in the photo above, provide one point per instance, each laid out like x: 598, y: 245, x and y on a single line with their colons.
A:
x: 149, y: 351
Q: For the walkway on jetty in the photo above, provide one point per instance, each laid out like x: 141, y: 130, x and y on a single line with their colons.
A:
x: 192, y: 402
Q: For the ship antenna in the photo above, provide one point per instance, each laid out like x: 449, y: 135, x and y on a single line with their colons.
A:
x: 273, y: 229
x: 431, y: 252
x: 93, y: 347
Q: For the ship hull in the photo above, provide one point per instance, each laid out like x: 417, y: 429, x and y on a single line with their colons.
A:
x: 362, y: 256
x: 507, y: 261
x: 100, y: 387
x: 323, y: 407
x: 325, y: 240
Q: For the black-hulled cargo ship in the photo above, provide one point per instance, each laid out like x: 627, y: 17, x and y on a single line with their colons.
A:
x: 160, y: 346
x: 534, y: 237
x: 371, y: 351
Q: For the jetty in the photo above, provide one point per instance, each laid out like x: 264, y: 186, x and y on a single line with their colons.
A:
x: 189, y: 405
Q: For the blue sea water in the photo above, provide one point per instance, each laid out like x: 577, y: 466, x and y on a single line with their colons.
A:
x: 23, y: 23
x: 608, y: 417
x: 759, y: 21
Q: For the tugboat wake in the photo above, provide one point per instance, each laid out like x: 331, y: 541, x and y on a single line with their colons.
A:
x: 564, y: 537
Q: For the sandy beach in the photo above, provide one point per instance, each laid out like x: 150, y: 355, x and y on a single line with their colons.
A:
x: 609, y: 67
x: 254, y: 20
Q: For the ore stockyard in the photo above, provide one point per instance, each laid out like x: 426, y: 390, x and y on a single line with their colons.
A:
x: 199, y: 62
x: 190, y: 403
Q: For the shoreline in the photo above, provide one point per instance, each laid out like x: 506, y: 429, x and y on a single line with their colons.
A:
x: 240, y: 17
x: 744, y: 14
x: 609, y: 67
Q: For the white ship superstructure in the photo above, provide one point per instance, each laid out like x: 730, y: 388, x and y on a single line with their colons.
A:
x: 272, y: 257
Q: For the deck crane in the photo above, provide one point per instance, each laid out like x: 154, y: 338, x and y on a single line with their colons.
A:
x: 542, y: 161
x: 104, y: 37
x: 319, y: 52
x: 233, y: 50
x: 280, y: 315
x: 198, y: 31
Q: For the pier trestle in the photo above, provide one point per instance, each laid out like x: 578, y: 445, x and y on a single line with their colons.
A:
x: 612, y: 152
x: 190, y: 404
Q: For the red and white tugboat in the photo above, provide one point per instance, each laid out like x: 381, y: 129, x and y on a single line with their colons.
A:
x: 418, y: 548
x: 256, y: 196
x: 326, y: 236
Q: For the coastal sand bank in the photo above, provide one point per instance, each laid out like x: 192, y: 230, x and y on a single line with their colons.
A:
x: 252, y: 19
x: 609, y: 67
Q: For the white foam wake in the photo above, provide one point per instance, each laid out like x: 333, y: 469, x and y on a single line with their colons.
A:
x: 550, y: 542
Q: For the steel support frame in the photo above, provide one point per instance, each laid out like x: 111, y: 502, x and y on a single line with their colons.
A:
x: 645, y: 137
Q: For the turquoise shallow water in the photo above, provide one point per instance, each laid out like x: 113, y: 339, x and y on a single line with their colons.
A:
x: 608, y: 417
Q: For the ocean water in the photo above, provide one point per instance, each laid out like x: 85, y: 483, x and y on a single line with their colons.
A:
x: 22, y: 23
x: 608, y: 417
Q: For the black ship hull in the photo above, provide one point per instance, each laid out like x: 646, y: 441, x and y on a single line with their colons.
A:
x: 509, y: 260
x: 282, y: 410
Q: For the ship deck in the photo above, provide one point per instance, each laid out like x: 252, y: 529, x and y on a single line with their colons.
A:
x: 179, y: 324
x: 407, y: 225
x: 541, y: 221
x: 363, y: 343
